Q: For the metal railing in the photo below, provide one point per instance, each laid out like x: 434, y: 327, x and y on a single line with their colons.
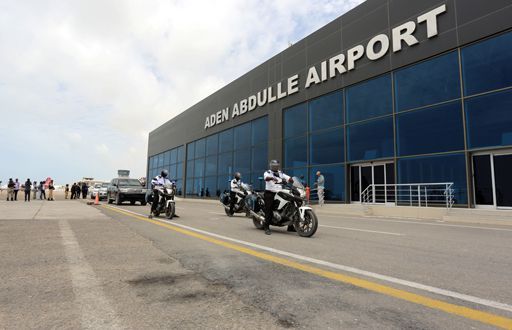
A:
x: 410, y: 194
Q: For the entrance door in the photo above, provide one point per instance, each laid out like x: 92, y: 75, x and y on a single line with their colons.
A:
x: 364, y: 175
x: 493, y: 180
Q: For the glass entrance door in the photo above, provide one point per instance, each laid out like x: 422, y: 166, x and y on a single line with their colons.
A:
x: 364, y: 175
x: 493, y: 180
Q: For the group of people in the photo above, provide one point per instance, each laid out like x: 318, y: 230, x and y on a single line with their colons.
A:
x: 273, y: 184
x: 30, y: 187
x: 76, y: 190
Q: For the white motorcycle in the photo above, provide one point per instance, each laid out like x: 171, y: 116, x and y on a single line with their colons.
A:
x: 165, y: 200
x: 289, y: 208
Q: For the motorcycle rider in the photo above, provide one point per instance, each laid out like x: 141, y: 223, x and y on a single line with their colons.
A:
x: 235, y: 188
x: 274, y: 178
x: 159, y: 180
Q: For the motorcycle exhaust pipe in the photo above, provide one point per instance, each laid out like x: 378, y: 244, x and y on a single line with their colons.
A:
x: 257, y: 216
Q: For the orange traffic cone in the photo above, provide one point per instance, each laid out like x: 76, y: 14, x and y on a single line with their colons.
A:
x: 97, y: 199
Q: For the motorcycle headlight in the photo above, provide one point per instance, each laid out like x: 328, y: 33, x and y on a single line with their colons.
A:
x: 302, y: 194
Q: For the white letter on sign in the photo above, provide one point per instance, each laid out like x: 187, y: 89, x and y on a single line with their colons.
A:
x: 404, y: 32
x: 354, y: 54
x: 313, y: 77
x: 431, y: 19
x: 384, y: 47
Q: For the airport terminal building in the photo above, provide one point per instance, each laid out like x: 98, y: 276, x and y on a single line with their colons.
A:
x: 392, y: 92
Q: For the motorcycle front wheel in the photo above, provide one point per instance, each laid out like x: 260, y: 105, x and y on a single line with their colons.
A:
x: 257, y: 222
x: 169, y: 213
x: 307, y: 227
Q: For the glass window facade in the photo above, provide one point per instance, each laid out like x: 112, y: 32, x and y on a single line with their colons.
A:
x: 314, y: 134
x: 371, y: 140
x: 370, y: 99
x: 211, y: 161
x: 486, y: 65
x: 429, y: 82
x: 172, y: 161
x: 431, y: 130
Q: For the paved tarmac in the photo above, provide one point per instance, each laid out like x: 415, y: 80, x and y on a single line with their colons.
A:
x: 69, y: 265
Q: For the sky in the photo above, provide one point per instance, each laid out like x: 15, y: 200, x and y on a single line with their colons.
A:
x: 82, y: 83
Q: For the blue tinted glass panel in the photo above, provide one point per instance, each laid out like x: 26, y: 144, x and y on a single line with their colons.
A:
x: 199, y: 167
x: 167, y: 158
x: 223, y: 183
x: 334, y: 182
x: 436, y: 129
x: 190, y: 187
x: 226, y: 140
x: 190, y: 169
x: 243, y: 136
x: 210, y: 186
x: 301, y: 173
x: 242, y: 161
x: 199, y: 187
x: 179, y: 187
x: 160, y: 161
x: 371, y: 140
x: 174, y: 156
x: 191, y: 147
x: 200, y: 148
x: 295, y: 120
x: 172, y: 172
x: 326, y: 111
x: 181, y: 154
x: 295, y: 152
x: 259, y: 158
x: 260, y: 131
x: 436, y: 169
x: 327, y: 147
x: 489, y: 120
x: 226, y: 163
x: 369, y: 99
x: 487, y: 65
x: 257, y: 181
x: 211, y: 165
x: 212, y: 145
x: 151, y: 162
x: 429, y: 82
x: 179, y: 171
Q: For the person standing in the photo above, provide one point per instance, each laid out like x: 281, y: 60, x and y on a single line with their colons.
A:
x: 16, y: 189
x: 85, y: 189
x: 10, y: 190
x: 320, y: 184
x: 66, y: 191
x: 34, y: 190
x: 42, y: 191
x: 51, y: 188
x: 274, y: 179
x: 28, y: 186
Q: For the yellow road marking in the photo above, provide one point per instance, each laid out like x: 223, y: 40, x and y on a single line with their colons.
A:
x: 473, y: 314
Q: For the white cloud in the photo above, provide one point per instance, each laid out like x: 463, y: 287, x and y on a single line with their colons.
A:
x: 83, y: 82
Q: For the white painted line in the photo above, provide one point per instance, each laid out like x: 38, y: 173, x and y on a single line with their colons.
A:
x: 412, y: 222
x: 95, y: 309
x: 218, y: 213
x: 414, y: 285
x: 363, y: 230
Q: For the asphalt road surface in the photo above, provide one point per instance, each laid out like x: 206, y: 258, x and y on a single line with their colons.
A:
x: 69, y: 265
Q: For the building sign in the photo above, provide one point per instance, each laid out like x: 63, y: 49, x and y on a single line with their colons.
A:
x: 376, y: 48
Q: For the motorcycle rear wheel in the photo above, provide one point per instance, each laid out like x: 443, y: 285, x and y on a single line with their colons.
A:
x: 169, y: 213
x: 308, y: 226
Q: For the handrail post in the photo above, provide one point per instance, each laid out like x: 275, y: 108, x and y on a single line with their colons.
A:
x: 410, y: 195
x: 426, y: 197
x: 419, y: 196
